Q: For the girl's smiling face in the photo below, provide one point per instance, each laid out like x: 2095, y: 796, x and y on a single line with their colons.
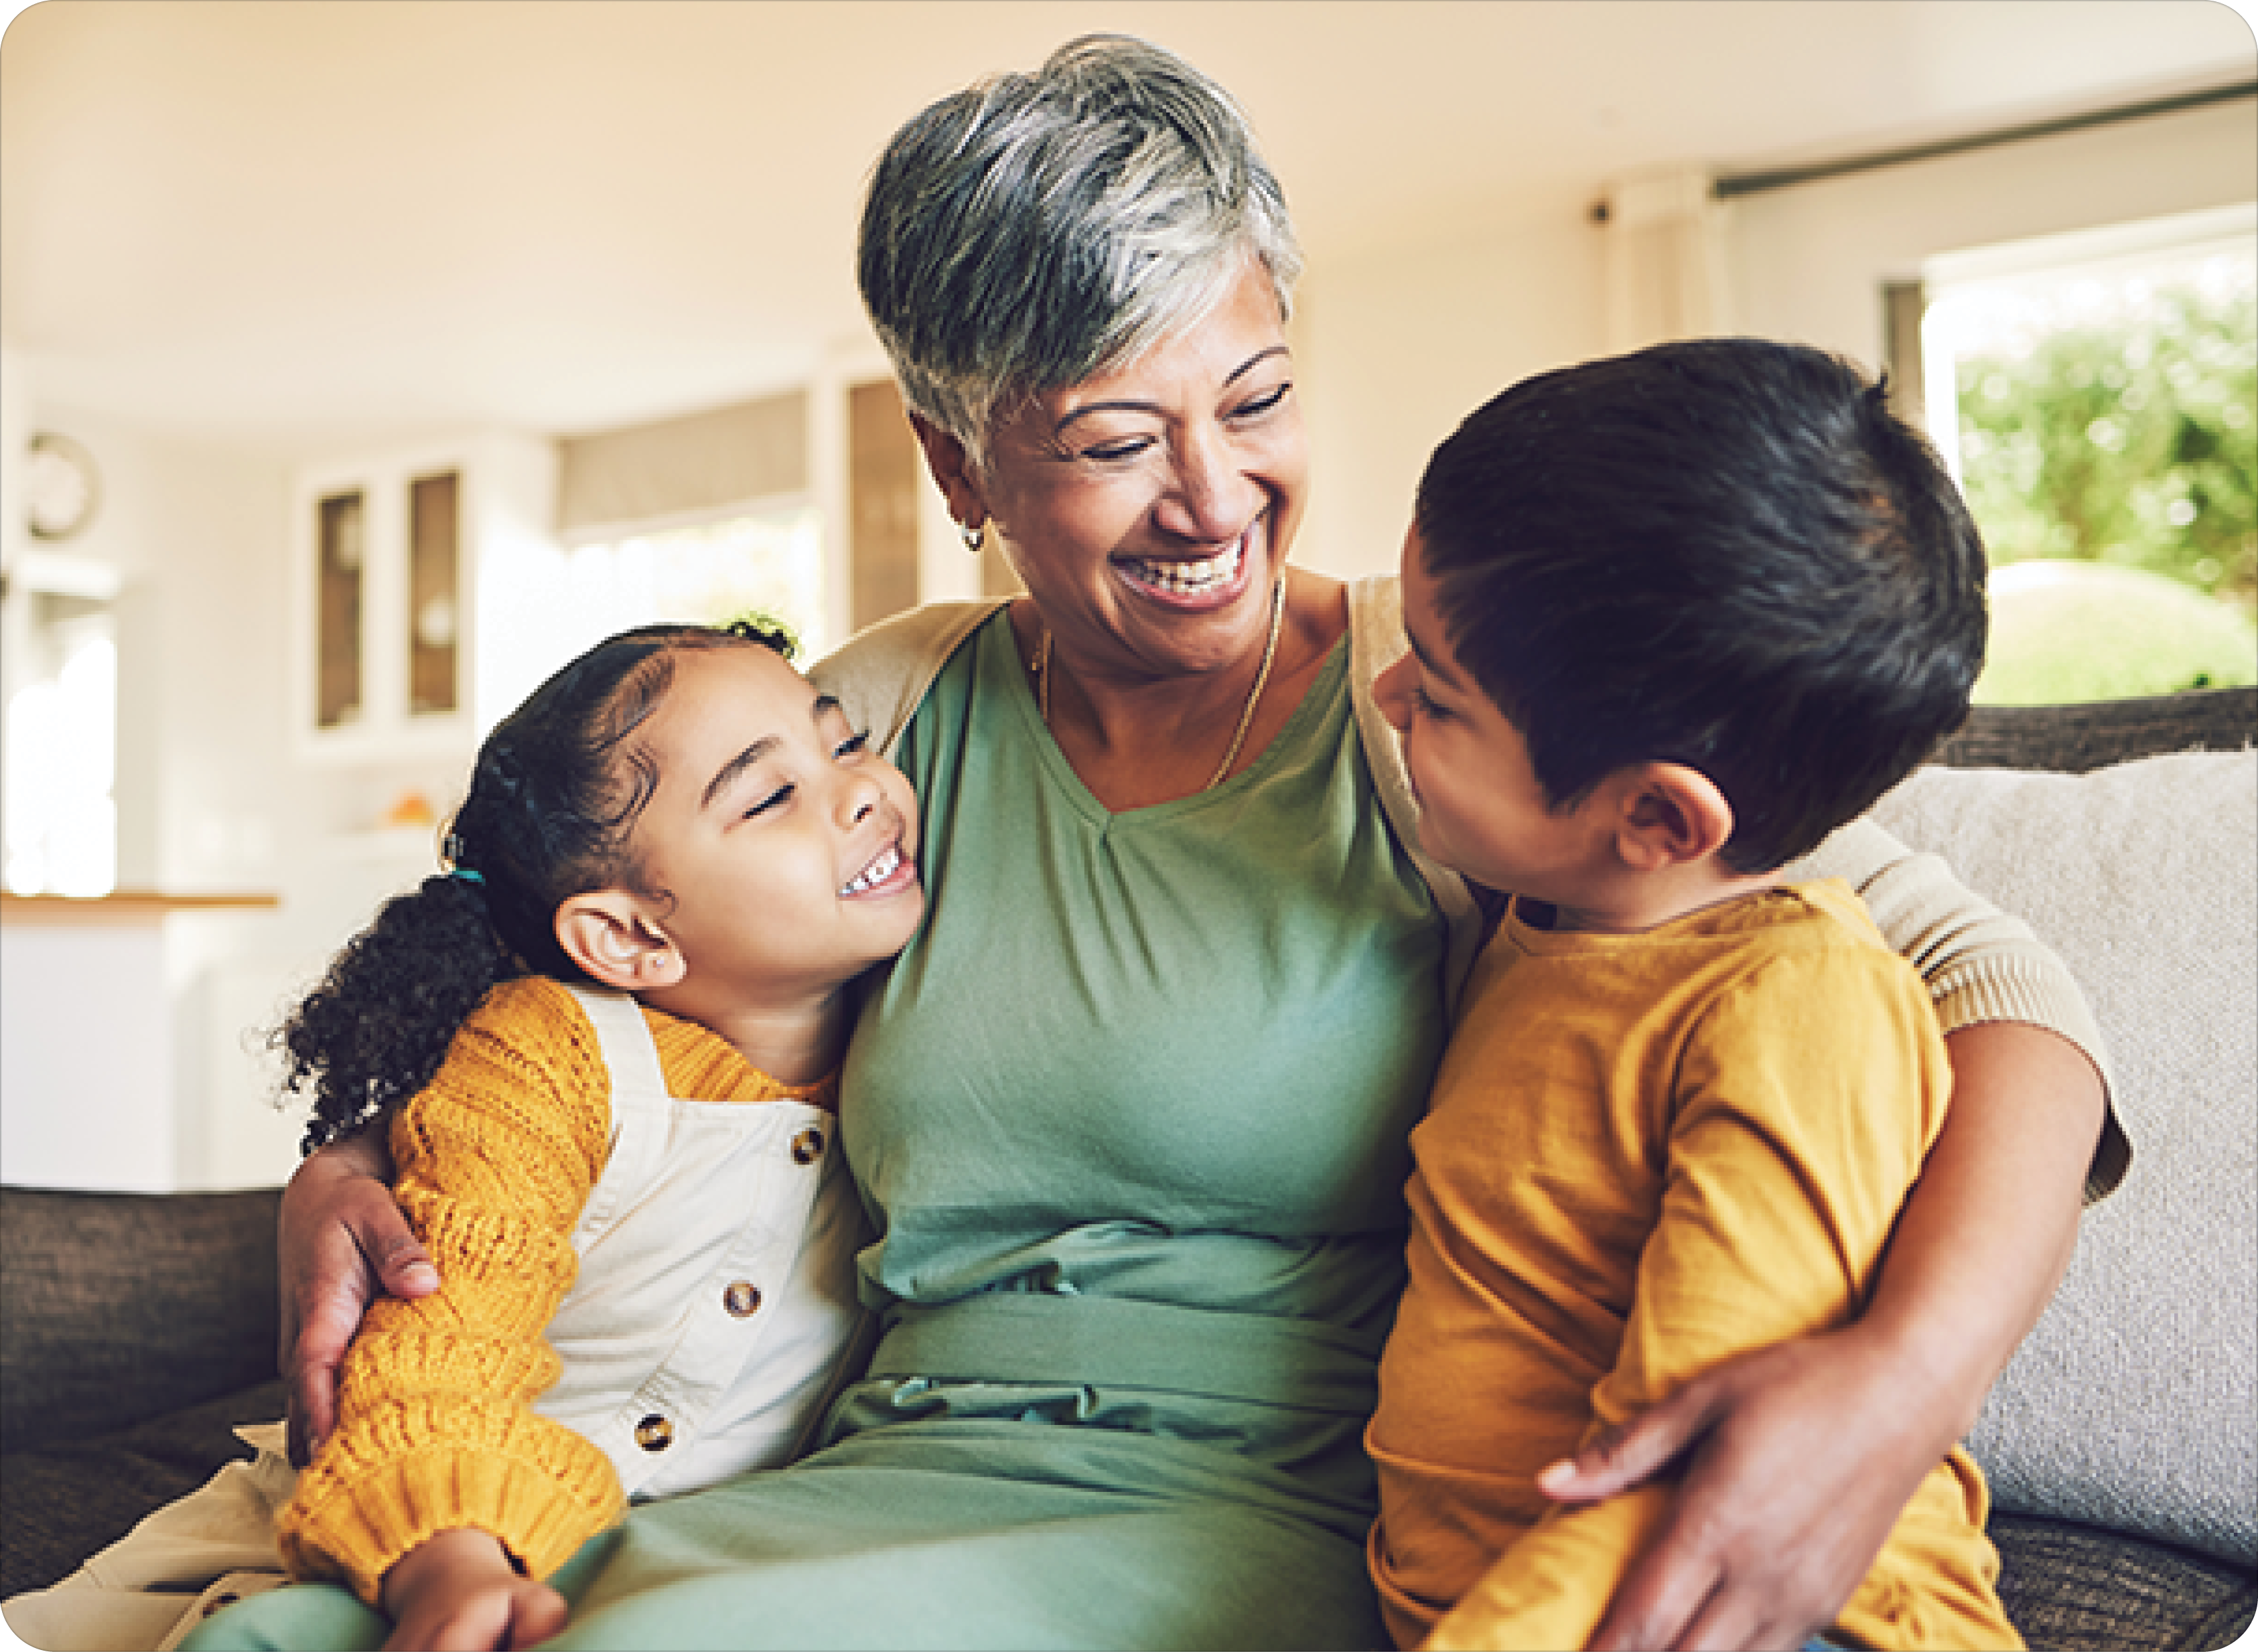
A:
x: 782, y: 852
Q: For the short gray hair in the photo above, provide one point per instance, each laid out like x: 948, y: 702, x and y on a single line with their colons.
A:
x: 1034, y: 229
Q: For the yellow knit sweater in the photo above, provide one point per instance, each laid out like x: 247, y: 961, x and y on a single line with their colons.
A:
x: 496, y: 1160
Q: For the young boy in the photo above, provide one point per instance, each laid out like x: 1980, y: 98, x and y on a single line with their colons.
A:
x: 1674, y: 617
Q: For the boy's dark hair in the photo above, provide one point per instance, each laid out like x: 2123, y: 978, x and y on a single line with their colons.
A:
x: 1725, y: 553
x: 555, y: 793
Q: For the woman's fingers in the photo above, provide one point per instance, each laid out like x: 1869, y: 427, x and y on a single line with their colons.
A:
x: 1787, y: 1495
x: 341, y: 1242
x: 324, y: 1323
x: 1654, y: 1603
x: 402, y: 1263
x: 1636, y: 1451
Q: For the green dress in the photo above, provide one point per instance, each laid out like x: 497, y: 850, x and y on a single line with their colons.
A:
x: 1130, y: 1115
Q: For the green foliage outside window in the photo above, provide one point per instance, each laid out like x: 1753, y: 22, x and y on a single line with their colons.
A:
x: 2130, y: 439
x: 2134, y: 443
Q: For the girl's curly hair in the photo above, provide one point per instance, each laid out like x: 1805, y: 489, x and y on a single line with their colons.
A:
x: 553, y: 797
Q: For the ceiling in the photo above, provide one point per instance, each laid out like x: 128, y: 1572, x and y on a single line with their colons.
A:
x: 303, y: 223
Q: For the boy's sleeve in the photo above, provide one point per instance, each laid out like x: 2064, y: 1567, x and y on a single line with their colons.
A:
x: 1804, y: 1108
x: 435, y: 1429
x: 1979, y: 963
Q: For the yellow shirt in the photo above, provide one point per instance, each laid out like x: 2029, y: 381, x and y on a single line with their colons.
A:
x: 1646, y: 1153
x: 496, y: 1158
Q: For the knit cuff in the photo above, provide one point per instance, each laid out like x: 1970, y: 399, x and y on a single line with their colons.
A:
x: 537, y: 1487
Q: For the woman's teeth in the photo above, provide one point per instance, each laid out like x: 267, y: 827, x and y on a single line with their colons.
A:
x: 878, y: 871
x: 1191, y: 579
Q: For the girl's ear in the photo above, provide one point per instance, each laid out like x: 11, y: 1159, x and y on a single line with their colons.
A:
x: 1667, y: 815
x: 609, y: 935
x: 951, y: 470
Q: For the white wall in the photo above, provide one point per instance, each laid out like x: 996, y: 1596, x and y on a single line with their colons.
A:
x: 1393, y: 349
x: 15, y: 536
x: 1807, y: 262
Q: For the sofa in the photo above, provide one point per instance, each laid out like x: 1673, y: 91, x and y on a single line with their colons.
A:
x: 137, y: 1330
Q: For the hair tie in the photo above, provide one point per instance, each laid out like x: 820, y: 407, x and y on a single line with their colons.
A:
x: 466, y: 875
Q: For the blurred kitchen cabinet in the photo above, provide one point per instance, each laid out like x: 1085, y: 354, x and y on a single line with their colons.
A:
x: 386, y: 550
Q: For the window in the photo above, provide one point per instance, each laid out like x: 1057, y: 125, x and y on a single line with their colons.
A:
x: 2097, y: 396
x: 61, y: 825
x: 543, y: 604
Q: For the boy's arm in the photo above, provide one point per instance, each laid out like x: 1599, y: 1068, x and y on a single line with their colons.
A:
x: 1803, y: 1110
x: 1784, y: 1505
x: 497, y: 1157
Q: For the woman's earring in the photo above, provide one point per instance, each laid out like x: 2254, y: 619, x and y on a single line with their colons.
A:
x: 974, y: 537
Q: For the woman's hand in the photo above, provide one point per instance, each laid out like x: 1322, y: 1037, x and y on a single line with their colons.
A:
x: 1799, y: 1459
x: 458, y: 1593
x: 341, y: 1242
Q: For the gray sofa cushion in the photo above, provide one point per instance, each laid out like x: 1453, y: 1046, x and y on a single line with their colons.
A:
x: 2135, y: 1404
x: 2073, y: 1588
x: 121, y: 1307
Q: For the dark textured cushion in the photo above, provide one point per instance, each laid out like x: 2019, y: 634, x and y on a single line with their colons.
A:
x: 2072, y: 1588
x: 114, y: 1307
x: 2075, y: 739
x: 63, y: 1498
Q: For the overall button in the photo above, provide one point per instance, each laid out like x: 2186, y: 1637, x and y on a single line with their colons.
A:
x: 653, y: 1433
x: 741, y: 1299
x: 807, y: 1146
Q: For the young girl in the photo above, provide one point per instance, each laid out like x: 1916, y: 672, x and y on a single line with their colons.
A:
x: 611, y: 1029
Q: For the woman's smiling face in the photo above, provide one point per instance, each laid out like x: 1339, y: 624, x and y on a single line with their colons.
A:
x: 1150, y: 509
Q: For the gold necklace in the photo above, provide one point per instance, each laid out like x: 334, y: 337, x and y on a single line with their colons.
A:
x: 1042, y: 668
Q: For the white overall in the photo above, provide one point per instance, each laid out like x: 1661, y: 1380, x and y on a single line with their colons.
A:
x: 708, y: 1326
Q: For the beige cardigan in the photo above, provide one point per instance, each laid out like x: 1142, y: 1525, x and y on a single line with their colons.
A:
x: 1980, y: 964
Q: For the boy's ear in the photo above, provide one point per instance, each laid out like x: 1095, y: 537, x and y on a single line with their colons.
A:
x: 609, y: 935
x: 1668, y: 815
x: 951, y: 470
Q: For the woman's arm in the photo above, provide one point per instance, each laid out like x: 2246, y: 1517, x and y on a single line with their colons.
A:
x: 342, y: 1243
x: 1799, y: 1458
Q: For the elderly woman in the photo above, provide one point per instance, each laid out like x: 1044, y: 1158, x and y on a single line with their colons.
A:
x: 1130, y: 1115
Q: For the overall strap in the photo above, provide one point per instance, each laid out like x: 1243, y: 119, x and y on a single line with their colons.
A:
x: 624, y: 1037
x: 639, y: 1098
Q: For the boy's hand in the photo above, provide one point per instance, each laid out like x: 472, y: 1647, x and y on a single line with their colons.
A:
x: 341, y: 1242
x: 458, y: 1593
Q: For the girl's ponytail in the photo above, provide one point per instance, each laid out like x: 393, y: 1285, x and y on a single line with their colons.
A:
x: 552, y: 800
x: 376, y: 1028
